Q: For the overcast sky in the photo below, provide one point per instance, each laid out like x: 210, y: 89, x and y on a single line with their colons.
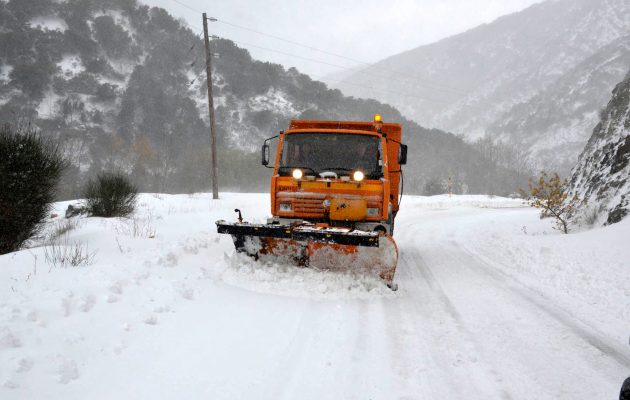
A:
x: 365, y: 31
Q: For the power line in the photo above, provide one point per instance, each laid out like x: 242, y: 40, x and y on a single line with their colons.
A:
x: 413, y: 79
x: 414, y: 95
x: 291, y: 42
x: 196, y: 78
x: 364, y: 72
x: 372, y: 88
x: 371, y: 65
x: 194, y: 44
x: 395, y: 93
x: 187, y: 6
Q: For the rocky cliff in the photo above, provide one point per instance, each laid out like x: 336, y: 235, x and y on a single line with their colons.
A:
x: 602, y: 176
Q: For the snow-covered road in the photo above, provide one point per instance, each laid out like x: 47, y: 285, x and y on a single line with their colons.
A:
x: 496, y: 337
x: 492, y: 305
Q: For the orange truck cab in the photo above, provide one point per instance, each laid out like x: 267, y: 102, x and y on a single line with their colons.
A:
x: 340, y: 173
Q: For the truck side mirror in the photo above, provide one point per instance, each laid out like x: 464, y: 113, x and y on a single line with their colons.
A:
x: 402, y: 154
x: 265, y: 154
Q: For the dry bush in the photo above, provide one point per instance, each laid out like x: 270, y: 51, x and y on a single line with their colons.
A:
x: 137, y: 227
x: 143, y: 228
x: 550, y: 196
x: 63, y: 253
x: 62, y: 228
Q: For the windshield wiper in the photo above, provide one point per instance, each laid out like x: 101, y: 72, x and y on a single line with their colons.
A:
x: 367, y: 173
x: 299, y: 167
x: 340, y: 168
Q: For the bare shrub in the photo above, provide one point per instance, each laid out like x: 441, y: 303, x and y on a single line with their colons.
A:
x: 549, y: 194
x: 63, y: 254
x: 137, y: 227
x: 62, y: 228
x: 143, y: 228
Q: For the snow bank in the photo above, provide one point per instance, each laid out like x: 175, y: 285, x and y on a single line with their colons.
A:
x: 448, y: 201
x: 587, y: 272
x: 168, y: 310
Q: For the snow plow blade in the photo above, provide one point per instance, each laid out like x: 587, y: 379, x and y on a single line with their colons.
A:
x: 319, y: 247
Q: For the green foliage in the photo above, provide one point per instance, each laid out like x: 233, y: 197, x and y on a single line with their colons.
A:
x: 106, y: 92
x: 97, y: 65
x: 84, y: 83
x: 81, y: 43
x: 18, y: 109
x: 33, y: 79
x: 29, y: 171
x: 549, y: 195
x: 110, y: 195
x: 72, y: 109
x: 113, y: 38
x: 26, y: 9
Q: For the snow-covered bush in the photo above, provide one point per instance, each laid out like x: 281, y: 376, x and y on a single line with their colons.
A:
x: 29, y: 172
x: 111, y: 195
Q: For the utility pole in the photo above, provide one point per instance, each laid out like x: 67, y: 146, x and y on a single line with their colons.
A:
x: 213, y: 137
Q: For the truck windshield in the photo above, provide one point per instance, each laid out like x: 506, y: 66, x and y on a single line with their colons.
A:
x: 335, y: 152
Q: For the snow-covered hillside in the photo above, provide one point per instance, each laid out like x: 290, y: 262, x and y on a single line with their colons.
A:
x: 536, y: 78
x: 122, y: 86
x: 556, y: 123
x: 602, y: 175
x: 492, y: 304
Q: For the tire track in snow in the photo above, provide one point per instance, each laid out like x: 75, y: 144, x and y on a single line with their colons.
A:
x: 419, y: 368
x: 333, y: 348
x: 534, y: 350
x: 537, y: 355
x: 578, y: 327
x: 285, y: 375
x: 487, y: 373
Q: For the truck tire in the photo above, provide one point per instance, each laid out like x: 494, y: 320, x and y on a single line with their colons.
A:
x: 390, y: 222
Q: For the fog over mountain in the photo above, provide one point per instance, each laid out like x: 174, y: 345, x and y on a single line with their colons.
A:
x: 122, y: 86
x: 556, y: 122
x: 500, y: 79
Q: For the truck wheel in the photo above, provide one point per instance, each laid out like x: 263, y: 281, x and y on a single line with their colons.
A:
x: 390, y: 222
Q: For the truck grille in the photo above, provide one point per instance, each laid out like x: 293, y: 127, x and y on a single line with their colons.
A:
x: 309, y: 205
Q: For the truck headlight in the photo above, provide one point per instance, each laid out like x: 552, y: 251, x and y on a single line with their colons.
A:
x: 297, y: 173
x: 372, y: 212
x: 358, y: 176
x: 285, y: 207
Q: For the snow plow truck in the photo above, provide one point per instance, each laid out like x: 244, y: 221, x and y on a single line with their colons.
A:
x: 335, y: 192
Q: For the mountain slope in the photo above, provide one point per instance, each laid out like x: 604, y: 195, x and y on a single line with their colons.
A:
x: 602, y: 176
x: 556, y: 123
x: 472, y: 81
x: 123, y: 86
